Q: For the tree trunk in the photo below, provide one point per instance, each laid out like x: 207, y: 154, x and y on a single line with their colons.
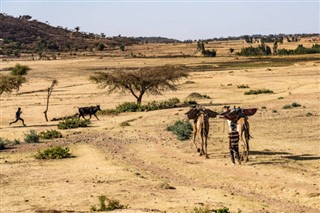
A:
x: 45, y: 112
x: 139, y: 99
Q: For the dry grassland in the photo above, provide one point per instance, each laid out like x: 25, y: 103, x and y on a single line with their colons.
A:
x: 130, y: 163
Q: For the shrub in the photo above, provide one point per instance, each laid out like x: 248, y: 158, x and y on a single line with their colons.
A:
x: 150, y: 106
x: 125, y: 123
x: 2, y: 143
x: 196, y: 95
x: 128, y: 107
x: 255, y: 51
x: 19, y: 69
x: 242, y: 86
x: 31, y: 137
x: 294, y: 104
x: 112, y: 204
x: 56, y: 152
x: 258, y: 91
x: 274, y: 111
x: 108, y: 112
x: 50, y: 134
x: 222, y: 210
x: 202, y: 209
x: 182, y: 129
x: 157, y: 105
x: 289, y: 106
x: 280, y: 97
x: 210, y: 53
x: 73, y: 123
x: 300, y: 50
x: 309, y: 114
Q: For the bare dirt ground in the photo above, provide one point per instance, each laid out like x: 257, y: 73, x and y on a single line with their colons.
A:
x: 131, y: 163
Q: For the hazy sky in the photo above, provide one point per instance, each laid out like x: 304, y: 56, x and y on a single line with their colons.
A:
x: 174, y: 19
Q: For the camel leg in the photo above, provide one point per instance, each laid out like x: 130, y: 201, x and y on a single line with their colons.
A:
x: 194, y: 134
x: 243, y: 145
x: 206, y: 145
x: 201, y: 137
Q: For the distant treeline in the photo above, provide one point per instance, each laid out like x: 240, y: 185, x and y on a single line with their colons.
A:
x: 156, y: 40
x: 263, y: 38
x: 264, y: 49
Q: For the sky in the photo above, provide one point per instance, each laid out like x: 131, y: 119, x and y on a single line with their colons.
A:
x: 179, y: 19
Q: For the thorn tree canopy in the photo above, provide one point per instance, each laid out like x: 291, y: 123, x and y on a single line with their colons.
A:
x: 152, y: 80
x: 10, y: 82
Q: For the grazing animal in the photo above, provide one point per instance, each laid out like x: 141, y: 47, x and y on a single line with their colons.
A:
x: 243, y: 127
x: 92, y: 110
x: 200, y: 125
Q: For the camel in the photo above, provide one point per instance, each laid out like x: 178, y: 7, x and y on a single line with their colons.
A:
x: 200, y: 125
x: 243, y: 127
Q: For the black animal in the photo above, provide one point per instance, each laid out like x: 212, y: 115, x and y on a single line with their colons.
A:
x: 92, y: 110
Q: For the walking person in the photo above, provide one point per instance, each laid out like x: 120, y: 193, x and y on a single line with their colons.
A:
x: 18, y: 114
x: 234, y: 143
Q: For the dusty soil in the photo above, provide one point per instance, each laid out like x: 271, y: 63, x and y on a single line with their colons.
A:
x: 132, y: 163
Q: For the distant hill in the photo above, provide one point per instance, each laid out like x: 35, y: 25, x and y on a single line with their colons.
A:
x: 25, y: 35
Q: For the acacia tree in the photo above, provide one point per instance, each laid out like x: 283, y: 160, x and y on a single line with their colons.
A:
x: 152, y: 80
x: 14, y: 80
x: 9, y: 83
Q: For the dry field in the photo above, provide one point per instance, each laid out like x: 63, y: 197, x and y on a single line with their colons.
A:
x: 132, y: 163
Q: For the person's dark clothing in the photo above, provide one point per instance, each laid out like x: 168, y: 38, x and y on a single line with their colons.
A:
x: 18, y: 114
x: 234, y: 145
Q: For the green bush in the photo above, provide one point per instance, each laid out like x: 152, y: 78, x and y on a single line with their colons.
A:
x: 128, y: 107
x: 157, y: 105
x: 125, y: 123
x: 289, y: 106
x: 255, y: 51
x: 56, y: 152
x: 112, y: 205
x: 309, y: 114
x: 280, y: 97
x: 2, y: 143
x: 300, y: 50
x: 73, y: 123
x: 50, y: 134
x: 182, y: 129
x: 134, y: 107
x: 19, y: 69
x: 202, y: 209
x: 258, y: 91
x: 31, y: 137
x: 242, y: 86
x: 294, y: 104
x: 222, y: 210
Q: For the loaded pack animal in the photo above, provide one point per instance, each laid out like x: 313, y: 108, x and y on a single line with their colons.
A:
x: 239, y: 117
x: 92, y: 110
x: 200, y: 116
